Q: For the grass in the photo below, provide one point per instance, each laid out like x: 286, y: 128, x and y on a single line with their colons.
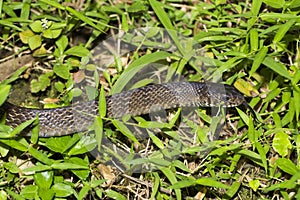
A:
x: 251, y: 45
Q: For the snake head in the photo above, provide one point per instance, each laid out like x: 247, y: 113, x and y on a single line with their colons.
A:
x: 232, y: 97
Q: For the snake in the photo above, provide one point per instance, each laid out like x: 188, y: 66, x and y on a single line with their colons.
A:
x: 151, y: 98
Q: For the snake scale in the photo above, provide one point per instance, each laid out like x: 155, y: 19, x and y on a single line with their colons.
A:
x: 76, y: 118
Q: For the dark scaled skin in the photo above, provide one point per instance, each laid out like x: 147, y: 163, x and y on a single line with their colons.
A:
x: 78, y: 117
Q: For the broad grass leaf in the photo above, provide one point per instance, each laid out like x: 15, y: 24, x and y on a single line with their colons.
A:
x: 114, y: 195
x: 20, y: 145
x: 255, y: 8
x: 156, y: 140
x: 84, y: 191
x: 4, y: 92
x: 288, y: 184
x: 98, y: 127
x: 234, y: 188
x: 287, y: 166
x: 201, y: 181
x: 136, y: 66
x: 251, y: 155
x: 272, y: 95
x: 296, y: 94
x: 124, y: 130
x: 275, y: 4
x: 40, y: 156
x: 10, y: 24
x: 262, y: 152
x: 277, y: 16
x: 65, y: 166
x: 165, y: 20
x: 21, y: 127
x: 36, y: 168
x: 155, y: 188
x: 172, y: 178
x: 258, y: 59
x: 180, y: 165
x: 293, y: 4
x: 84, y: 18
x: 54, y: 4
x: 283, y: 30
x: 277, y: 67
x: 102, y: 103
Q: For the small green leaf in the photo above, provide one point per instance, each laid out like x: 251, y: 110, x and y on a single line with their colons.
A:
x: 85, y: 144
x: 62, y: 190
x: 29, y: 191
x: 62, y: 44
x: 40, y: 52
x: 80, y: 173
x: 59, y: 86
x: 62, y: 71
x: 43, y: 179
x: 42, y: 83
x: 34, y: 42
x: 36, y: 26
x: 25, y: 35
x: 281, y: 143
x: 254, y: 184
x: 52, y: 33
x: 12, y: 167
x: 78, y: 51
x: 271, y: 95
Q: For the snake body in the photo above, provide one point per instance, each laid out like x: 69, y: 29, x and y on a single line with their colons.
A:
x: 78, y: 117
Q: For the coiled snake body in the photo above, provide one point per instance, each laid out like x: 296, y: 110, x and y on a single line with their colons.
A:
x: 76, y: 118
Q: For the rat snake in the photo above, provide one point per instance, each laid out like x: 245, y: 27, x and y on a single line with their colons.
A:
x: 151, y: 98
